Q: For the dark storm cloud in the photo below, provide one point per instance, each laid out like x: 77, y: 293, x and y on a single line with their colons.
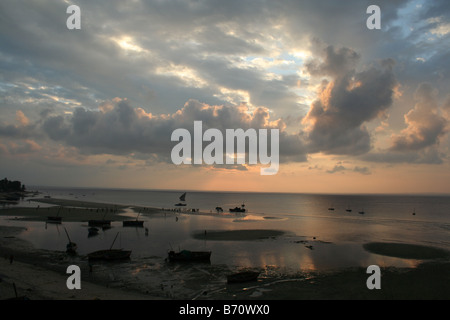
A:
x: 352, y: 98
x: 120, y: 129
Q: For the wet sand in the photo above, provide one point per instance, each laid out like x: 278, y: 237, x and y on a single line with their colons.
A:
x: 41, y: 274
x: 237, y: 235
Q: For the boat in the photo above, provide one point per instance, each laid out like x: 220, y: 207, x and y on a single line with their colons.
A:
x: 99, y: 223
x: 55, y: 219
x: 71, y: 247
x: 133, y: 223
x: 189, y: 256
x: 243, y: 276
x: 110, y: 254
x: 348, y: 209
x: 237, y: 209
x: 182, y: 198
x: 361, y: 212
x: 92, y: 231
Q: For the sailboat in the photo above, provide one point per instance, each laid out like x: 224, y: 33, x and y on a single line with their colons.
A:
x: 348, y: 209
x: 133, y: 223
x: 71, y: 247
x: 110, y: 254
x: 182, y: 198
x: 55, y: 219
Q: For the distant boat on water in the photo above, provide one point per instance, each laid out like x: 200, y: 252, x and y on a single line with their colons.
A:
x: 348, y: 209
x: 361, y: 212
x: 182, y: 198
x: 237, y: 209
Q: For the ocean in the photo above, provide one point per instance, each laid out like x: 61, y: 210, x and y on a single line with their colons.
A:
x: 320, y: 233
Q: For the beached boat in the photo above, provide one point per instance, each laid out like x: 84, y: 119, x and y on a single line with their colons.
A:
x: 110, y: 254
x: 99, y: 223
x: 244, y: 276
x: 71, y: 247
x: 189, y: 256
x: 133, y: 223
x: 55, y: 219
x: 92, y: 231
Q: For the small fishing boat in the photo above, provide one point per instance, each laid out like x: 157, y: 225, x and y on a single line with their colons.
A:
x: 189, y: 256
x: 55, y: 219
x: 99, y: 223
x: 243, y: 276
x: 237, y: 209
x: 71, y: 247
x: 92, y: 231
x: 180, y: 204
x: 133, y: 223
x: 182, y: 198
x: 110, y: 254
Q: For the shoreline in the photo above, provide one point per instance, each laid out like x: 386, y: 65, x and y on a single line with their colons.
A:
x: 41, y: 274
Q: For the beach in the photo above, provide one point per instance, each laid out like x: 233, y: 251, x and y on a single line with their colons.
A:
x: 41, y: 274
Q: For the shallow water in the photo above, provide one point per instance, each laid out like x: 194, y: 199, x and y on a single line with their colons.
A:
x: 314, y: 238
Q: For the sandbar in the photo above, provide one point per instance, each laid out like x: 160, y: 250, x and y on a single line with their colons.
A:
x: 406, y: 250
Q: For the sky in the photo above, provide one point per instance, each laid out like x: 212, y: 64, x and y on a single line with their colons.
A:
x: 358, y: 110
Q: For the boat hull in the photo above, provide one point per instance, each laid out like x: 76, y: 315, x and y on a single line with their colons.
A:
x: 133, y: 223
x: 99, y: 223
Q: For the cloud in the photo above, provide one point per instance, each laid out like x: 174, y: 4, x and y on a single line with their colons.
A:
x: 117, y: 128
x: 336, y: 120
x: 425, y: 126
x: 340, y: 168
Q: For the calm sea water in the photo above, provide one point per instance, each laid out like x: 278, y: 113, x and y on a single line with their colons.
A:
x: 315, y: 238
